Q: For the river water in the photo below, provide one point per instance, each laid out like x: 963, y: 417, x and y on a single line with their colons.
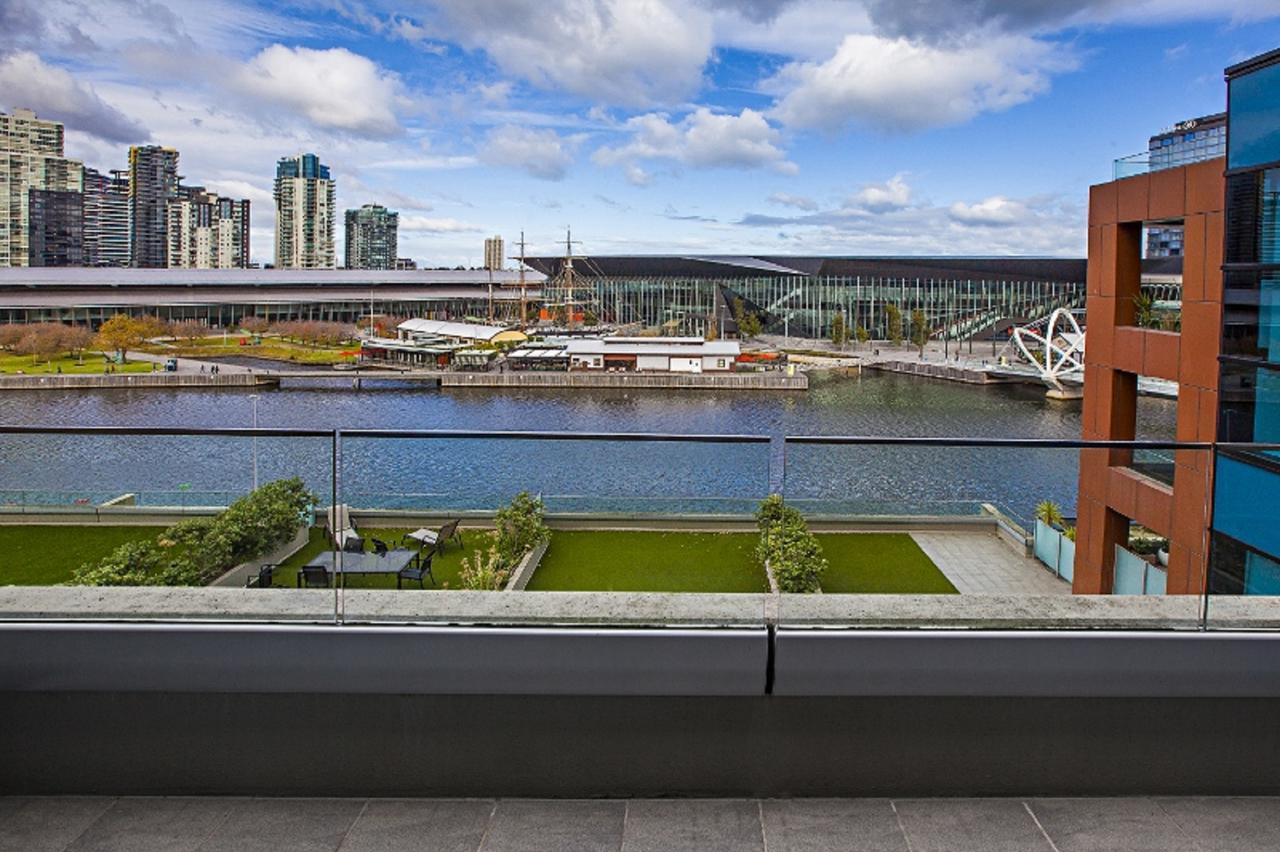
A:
x: 573, y: 475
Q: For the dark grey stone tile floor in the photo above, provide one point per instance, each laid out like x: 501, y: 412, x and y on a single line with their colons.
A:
x: 78, y: 824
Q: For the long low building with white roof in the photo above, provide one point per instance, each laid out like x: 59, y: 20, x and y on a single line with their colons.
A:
x: 653, y: 354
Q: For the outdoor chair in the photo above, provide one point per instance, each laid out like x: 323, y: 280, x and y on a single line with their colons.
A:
x: 379, y: 546
x: 437, y: 538
x: 419, y: 570
x: 263, y: 579
x: 313, y: 577
x: 352, y: 543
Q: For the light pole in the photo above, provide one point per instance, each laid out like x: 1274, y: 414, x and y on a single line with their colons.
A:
x: 253, y: 397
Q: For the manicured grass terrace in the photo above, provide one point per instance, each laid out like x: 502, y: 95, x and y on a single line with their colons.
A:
x: 614, y: 561
x: 94, y: 363
x: 271, y: 348
x: 45, y: 555
x: 883, y: 563
x: 887, y: 563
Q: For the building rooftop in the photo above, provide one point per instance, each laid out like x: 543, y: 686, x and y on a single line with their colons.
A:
x: 443, y: 328
x: 741, y: 266
x: 85, y: 278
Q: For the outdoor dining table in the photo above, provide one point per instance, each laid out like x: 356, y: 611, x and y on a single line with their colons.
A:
x: 392, y: 562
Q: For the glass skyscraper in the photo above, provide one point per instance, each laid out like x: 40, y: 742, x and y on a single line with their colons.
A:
x: 1246, y: 535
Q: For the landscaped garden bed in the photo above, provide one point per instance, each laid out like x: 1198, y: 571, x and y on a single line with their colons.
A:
x: 636, y: 561
x: 48, y: 554
x: 879, y: 563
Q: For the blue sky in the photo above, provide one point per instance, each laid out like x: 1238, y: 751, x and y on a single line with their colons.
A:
x: 765, y: 126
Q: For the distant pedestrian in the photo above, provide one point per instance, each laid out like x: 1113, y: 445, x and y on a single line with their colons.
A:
x: 202, y: 368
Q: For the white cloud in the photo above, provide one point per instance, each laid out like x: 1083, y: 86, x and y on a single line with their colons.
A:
x: 899, y: 85
x: 1040, y: 225
x: 333, y: 88
x: 427, y: 225
x: 786, y: 199
x: 27, y: 81
x: 542, y: 153
x: 702, y: 139
x: 259, y: 197
x: 627, y: 52
x: 893, y: 194
x: 996, y: 211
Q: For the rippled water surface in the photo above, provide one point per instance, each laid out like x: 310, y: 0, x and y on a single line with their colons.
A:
x: 573, y: 475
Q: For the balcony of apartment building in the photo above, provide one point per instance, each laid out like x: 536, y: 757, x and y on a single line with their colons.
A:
x: 1128, y: 346
x: 661, y: 641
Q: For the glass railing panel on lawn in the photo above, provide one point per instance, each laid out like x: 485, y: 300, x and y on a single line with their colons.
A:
x: 142, y: 511
x: 990, y: 532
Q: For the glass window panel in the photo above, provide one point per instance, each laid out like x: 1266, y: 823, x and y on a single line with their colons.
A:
x: 1254, y: 118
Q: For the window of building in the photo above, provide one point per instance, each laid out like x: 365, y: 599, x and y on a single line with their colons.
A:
x: 1254, y: 119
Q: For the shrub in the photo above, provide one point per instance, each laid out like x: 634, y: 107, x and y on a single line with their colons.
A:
x: 195, y: 551
x: 520, y: 528
x: 485, y: 571
x: 1049, y: 513
x: 791, y: 552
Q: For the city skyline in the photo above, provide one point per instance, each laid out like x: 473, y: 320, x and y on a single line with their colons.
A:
x: 793, y: 127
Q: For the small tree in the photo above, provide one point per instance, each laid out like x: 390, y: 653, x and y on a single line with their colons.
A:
x: 839, y: 331
x: 589, y: 318
x: 121, y: 333
x: 76, y: 339
x: 1048, y: 512
x: 862, y: 334
x: 520, y: 528
x: 190, y: 330
x: 919, y: 329
x: 254, y: 325
x: 893, y: 324
x: 41, y: 341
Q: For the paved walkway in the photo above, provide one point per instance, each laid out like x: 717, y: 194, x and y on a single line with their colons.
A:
x: 982, y: 564
x: 186, y: 365
x: 638, y: 825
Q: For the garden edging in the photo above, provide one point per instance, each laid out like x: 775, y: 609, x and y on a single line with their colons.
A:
x: 524, y: 571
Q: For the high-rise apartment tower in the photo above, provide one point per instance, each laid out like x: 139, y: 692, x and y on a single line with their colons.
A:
x: 371, y: 234
x: 31, y: 158
x: 304, y: 197
x: 106, y: 218
x: 207, y: 231
x: 493, y: 253
x: 153, y: 183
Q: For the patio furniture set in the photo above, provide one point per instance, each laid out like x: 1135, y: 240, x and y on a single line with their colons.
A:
x: 410, y: 561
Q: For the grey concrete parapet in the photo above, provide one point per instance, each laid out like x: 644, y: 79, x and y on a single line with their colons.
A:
x: 1091, y: 612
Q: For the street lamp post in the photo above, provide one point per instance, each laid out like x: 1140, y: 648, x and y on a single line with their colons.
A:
x: 254, y: 398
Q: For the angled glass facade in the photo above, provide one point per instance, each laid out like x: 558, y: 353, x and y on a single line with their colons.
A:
x: 1246, y: 548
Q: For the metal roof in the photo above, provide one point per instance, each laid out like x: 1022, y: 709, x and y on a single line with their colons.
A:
x: 57, y: 297
x: 1046, y: 269
x: 461, y: 330
x: 108, y: 277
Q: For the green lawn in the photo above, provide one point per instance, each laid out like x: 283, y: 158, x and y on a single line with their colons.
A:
x: 444, y: 566
x: 11, y: 364
x: 885, y: 563
x: 45, y: 555
x: 271, y: 348
x: 650, y: 562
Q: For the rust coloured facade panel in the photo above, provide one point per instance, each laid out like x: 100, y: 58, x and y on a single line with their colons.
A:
x: 1111, y: 492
